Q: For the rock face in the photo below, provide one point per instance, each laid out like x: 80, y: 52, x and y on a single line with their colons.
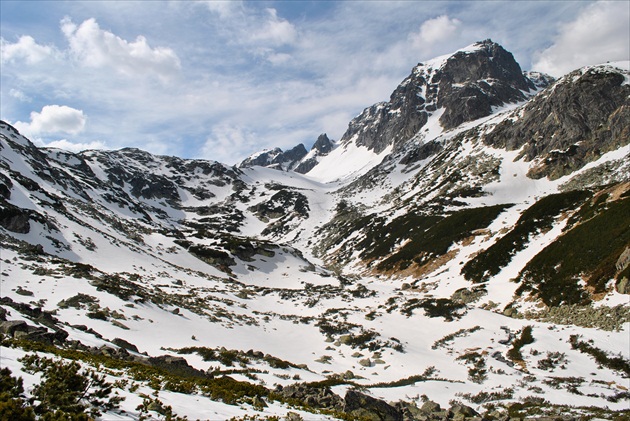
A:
x: 466, y: 85
x: 368, y: 408
x: 313, y: 396
x: 276, y: 158
x: 575, y: 121
x: 13, y: 218
x: 322, y: 147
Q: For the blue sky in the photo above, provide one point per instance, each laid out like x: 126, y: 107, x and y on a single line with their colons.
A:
x: 223, y: 79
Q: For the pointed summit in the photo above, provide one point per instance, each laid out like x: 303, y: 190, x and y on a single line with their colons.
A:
x: 323, y: 145
x: 462, y: 86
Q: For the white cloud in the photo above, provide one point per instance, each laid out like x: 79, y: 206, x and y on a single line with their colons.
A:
x: 274, y: 30
x: 435, y: 30
x: 600, y: 33
x: 53, y: 119
x: 227, y: 143
x: 73, y: 146
x: 19, y: 95
x: 95, y: 47
x: 24, y: 49
x: 225, y: 9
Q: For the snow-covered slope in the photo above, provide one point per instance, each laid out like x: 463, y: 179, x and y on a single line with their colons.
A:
x: 474, y: 255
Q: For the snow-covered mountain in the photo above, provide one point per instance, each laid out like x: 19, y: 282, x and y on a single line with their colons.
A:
x: 463, y: 249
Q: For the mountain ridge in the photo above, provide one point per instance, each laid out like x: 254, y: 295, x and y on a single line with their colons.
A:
x: 445, y: 261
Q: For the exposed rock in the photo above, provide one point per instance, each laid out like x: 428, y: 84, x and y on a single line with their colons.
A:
x: 572, y: 123
x: 124, y: 344
x: 369, y: 408
x: 430, y: 406
x: 322, y: 147
x: 467, y: 85
x: 461, y: 412
x: 624, y: 260
x: 421, y: 152
x: 293, y: 416
x: 312, y: 396
x: 14, y: 219
x: 11, y: 326
x: 176, y: 365
x: 366, y: 362
x: 276, y: 158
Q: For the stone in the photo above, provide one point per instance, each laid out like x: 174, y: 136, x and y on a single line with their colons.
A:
x: 313, y: 396
x: 461, y: 412
x: 367, y: 407
x: 293, y: 416
x: 125, y: 345
x: 366, y: 362
x: 430, y: 406
x: 11, y: 326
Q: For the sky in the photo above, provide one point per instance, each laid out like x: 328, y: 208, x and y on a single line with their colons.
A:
x: 221, y: 80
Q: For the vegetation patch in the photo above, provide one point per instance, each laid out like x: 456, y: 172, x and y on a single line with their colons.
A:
x: 435, y: 307
x: 538, y: 217
x: 617, y: 363
x: 425, y: 237
x: 588, y: 251
x: 440, y: 343
x: 526, y: 337
x: 476, y: 361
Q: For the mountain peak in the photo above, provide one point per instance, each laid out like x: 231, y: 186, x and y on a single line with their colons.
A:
x: 275, y: 158
x: 323, y: 144
x: 466, y: 85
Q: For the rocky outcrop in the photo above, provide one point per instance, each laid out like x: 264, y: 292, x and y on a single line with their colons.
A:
x: 467, y: 85
x: 19, y: 329
x: 317, y: 397
x: 368, y: 408
x: 14, y: 219
x: 276, y: 158
x: 471, y: 83
x: 322, y: 147
x: 572, y: 123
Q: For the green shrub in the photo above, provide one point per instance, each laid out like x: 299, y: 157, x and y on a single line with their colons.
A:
x: 540, y: 216
x: 67, y: 388
x: 526, y: 338
x: 614, y: 363
x: 429, y: 236
x: 589, y: 249
x: 12, y: 403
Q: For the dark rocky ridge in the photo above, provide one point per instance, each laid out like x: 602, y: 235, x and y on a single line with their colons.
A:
x: 276, y: 158
x: 467, y: 85
x: 322, y: 147
x: 573, y: 122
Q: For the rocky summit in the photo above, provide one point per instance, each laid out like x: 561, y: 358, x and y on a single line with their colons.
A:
x: 461, y: 253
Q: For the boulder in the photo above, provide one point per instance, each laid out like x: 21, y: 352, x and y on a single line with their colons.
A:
x: 11, y: 326
x: 462, y: 412
x: 125, y: 345
x: 369, y: 408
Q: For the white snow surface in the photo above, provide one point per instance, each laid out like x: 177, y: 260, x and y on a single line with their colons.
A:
x: 288, y: 303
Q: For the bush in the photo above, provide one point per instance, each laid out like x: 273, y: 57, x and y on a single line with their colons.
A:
x: 540, y: 216
x: 67, y: 389
x: 588, y: 250
x: 526, y: 338
x: 12, y: 404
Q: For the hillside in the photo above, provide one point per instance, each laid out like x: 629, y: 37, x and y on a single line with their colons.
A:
x: 462, y: 250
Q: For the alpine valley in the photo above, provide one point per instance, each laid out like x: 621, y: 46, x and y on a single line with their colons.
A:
x: 462, y: 252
